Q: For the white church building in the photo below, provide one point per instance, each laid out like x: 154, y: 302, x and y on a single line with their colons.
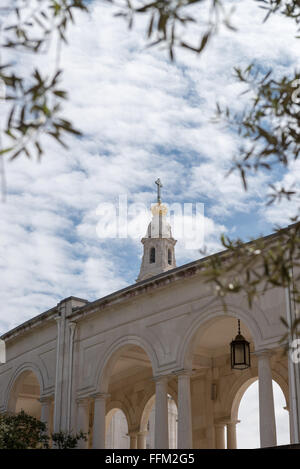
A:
x: 150, y: 366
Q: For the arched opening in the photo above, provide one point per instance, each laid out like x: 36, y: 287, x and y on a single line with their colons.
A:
x: 116, y: 430
x: 152, y: 256
x: 148, y: 422
x: 169, y: 257
x: 248, y: 416
x: 212, y: 378
x: 25, y: 395
x: 125, y: 380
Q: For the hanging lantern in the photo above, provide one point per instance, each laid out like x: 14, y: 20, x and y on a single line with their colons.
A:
x: 240, y: 351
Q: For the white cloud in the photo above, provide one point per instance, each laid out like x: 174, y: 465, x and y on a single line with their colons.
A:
x: 142, y: 117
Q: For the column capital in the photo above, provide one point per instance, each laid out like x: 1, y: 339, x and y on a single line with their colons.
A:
x: 226, y: 421
x: 58, y: 318
x: 183, y: 372
x: 72, y: 325
x: 268, y: 353
x: 160, y: 378
x: 82, y: 401
x: 219, y: 424
x: 232, y: 423
x: 100, y: 396
x: 46, y: 399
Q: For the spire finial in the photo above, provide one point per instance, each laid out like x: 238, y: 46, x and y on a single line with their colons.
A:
x: 159, y: 185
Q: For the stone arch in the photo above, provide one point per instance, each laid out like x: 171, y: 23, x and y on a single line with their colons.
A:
x: 110, y: 414
x: 25, y: 367
x: 147, y: 404
x: 239, y: 389
x: 118, y: 405
x: 146, y: 413
x: 241, y: 386
x: 147, y: 407
x: 114, y: 352
x: 205, y: 320
x: 283, y: 386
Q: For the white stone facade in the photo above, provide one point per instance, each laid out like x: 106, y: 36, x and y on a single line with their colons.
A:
x: 164, y: 336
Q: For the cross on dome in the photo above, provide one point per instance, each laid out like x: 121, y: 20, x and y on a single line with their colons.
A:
x: 159, y: 185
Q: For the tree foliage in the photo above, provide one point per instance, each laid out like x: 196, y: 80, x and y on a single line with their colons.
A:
x: 269, y: 126
x: 36, y: 99
x: 168, y: 18
x: 65, y: 440
x: 22, y: 431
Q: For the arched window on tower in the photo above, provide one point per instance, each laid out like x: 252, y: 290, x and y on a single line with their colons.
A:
x: 152, y: 255
x: 169, y: 257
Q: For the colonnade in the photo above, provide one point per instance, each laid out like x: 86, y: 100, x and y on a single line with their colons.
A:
x: 267, y: 422
x: 185, y: 431
x: 138, y: 439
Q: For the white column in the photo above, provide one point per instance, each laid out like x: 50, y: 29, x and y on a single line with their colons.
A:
x: 293, y: 427
x: 58, y: 373
x: 220, y: 435
x: 184, y: 435
x: 83, y: 420
x: 99, y: 421
x: 294, y: 374
x: 231, y: 435
x: 161, y: 413
x: 267, y: 423
x: 46, y: 403
x: 142, y: 440
x: 133, y: 440
x: 72, y: 327
x: 291, y: 423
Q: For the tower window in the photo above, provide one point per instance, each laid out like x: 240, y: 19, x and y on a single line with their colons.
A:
x: 152, y: 255
x: 169, y: 256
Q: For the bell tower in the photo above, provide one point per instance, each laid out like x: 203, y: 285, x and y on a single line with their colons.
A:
x: 159, y: 252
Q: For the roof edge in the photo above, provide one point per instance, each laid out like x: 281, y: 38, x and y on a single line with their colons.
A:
x: 135, y: 288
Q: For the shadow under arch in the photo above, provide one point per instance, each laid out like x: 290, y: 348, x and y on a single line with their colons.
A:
x: 15, y: 380
x: 25, y: 395
x: 114, y: 352
x: 206, y: 320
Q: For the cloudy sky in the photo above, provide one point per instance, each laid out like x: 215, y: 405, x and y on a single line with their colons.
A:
x: 142, y: 117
